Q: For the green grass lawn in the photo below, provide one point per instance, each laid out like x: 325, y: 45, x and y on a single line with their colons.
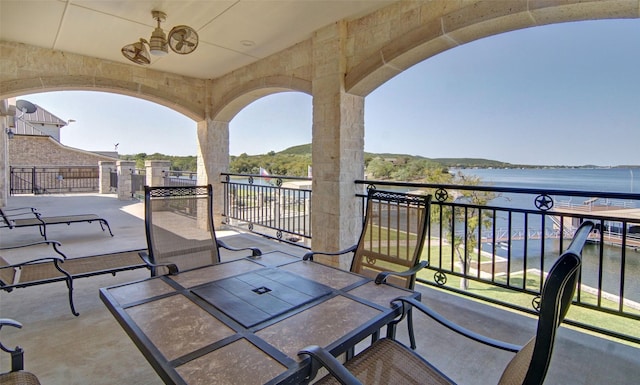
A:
x: 576, y: 313
x: 441, y: 258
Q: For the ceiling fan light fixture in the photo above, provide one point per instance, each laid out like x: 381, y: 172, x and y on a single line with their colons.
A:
x: 182, y: 39
x: 158, y: 43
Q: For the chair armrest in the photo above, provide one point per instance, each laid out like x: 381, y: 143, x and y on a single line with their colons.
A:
x: 10, y: 322
x: 54, y: 259
x: 321, y: 357
x: 172, y: 267
x: 31, y: 214
x: 32, y: 209
x: 55, y: 245
x: 382, y: 277
x: 309, y: 256
x: 255, y: 252
x: 408, y: 303
x: 17, y: 354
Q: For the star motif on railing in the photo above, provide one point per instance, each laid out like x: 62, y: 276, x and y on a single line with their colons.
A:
x: 441, y: 195
x: 544, y: 202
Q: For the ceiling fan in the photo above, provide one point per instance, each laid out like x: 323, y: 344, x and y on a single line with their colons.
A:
x: 182, y: 40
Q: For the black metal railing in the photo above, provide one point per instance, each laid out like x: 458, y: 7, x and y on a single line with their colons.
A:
x: 113, y: 179
x: 180, y: 178
x: 138, y: 180
x: 43, y: 180
x: 492, y: 243
x: 274, y: 206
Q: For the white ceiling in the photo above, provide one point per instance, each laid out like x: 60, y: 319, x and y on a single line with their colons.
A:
x: 100, y: 28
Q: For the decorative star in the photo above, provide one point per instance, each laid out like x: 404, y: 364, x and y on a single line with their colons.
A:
x: 544, y: 202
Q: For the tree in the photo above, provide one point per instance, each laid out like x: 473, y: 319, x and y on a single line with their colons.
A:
x: 380, y: 168
x: 465, y: 213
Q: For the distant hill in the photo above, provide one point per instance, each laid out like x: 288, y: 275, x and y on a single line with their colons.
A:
x: 471, y: 162
x: 305, y: 149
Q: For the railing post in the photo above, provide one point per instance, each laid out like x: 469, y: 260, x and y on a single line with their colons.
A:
x: 155, y: 171
x: 125, y: 169
x: 34, y: 189
x: 104, y: 168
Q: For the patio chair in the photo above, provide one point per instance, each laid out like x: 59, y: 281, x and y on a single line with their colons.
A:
x: 388, y: 361
x: 30, y: 217
x: 180, y: 230
x: 391, y: 242
x: 17, y: 375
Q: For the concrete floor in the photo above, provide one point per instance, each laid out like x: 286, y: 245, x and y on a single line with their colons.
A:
x: 93, y: 348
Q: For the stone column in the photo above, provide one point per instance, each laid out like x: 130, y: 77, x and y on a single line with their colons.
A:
x: 4, y: 158
x: 105, y: 169
x: 125, y: 169
x: 155, y: 171
x: 338, y: 147
x: 213, y: 158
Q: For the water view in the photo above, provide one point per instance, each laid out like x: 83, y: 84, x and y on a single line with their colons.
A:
x: 616, y: 180
x: 619, y: 180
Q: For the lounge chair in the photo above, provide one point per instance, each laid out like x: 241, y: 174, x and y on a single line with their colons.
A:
x: 58, y: 268
x: 30, y: 217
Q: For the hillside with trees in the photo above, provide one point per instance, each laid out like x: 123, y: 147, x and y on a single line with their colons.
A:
x: 294, y: 161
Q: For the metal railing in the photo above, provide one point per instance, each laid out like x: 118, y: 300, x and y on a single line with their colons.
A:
x: 492, y: 243
x: 274, y: 206
x: 43, y: 180
x: 180, y: 178
x: 138, y: 180
x: 484, y: 238
x: 113, y: 179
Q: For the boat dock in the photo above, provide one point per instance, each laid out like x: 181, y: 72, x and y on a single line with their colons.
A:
x: 614, y: 216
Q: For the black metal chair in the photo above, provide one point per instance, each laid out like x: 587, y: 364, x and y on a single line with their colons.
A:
x: 180, y: 230
x: 389, y: 362
x: 391, y: 242
x: 17, y: 375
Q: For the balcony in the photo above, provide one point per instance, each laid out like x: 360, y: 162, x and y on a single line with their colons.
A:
x: 61, y: 348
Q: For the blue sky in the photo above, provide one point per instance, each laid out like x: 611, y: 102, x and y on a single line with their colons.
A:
x: 563, y: 94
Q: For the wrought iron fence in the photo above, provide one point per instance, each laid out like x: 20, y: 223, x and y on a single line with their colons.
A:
x: 180, y: 178
x: 113, y: 179
x: 274, y: 206
x: 138, y: 180
x: 43, y: 180
x: 493, y: 243
x: 485, y: 238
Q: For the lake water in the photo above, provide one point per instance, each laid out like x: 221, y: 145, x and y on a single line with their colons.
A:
x: 616, y: 180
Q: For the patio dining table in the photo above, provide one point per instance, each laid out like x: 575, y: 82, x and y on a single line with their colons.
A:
x: 244, y: 321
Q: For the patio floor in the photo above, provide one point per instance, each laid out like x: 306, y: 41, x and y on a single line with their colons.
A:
x: 93, y: 348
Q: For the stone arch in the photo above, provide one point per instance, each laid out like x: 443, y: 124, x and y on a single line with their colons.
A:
x: 30, y: 69
x: 435, y: 28
x: 73, y: 83
x: 235, y: 100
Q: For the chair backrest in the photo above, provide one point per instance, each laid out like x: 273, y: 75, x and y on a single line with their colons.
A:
x: 179, y: 226
x: 7, y: 273
x: 393, y: 235
x: 530, y: 365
